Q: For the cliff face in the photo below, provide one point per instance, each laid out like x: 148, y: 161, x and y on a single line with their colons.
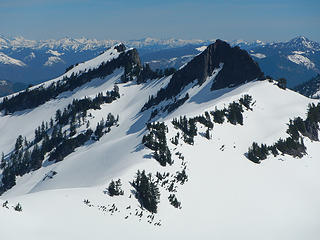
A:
x: 238, y: 66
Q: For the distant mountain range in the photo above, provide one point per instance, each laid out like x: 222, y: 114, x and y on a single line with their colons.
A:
x: 297, y: 60
x: 32, y: 62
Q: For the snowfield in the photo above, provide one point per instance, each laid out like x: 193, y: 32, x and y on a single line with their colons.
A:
x: 226, y: 195
x: 52, y: 60
x: 299, y: 59
x: 258, y: 55
x: 5, y: 59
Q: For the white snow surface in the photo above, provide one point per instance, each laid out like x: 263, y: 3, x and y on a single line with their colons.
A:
x: 54, y: 53
x: 201, y: 49
x: 226, y: 196
x: 299, y: 59
x: 5, y: 59
x: 258, y: 55
x: 52, y: 60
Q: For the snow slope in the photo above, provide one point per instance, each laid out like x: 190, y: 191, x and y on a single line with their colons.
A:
x: 226, y: 196
x: 5, y: 59
x: 299, y: 59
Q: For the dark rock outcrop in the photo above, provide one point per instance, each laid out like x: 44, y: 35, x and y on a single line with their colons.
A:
x: 238, y: 68
x: 309, y: 88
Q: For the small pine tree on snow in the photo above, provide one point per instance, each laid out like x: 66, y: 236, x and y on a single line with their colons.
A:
x: 114, y: 188
x: 174, y: 201
x: 3, y: 161
x: 73, y: 127
x: 218, y: 115
x: 246, y: 101
x: 147, y: 191
x: 282, y: 83
x: 208, y: 135
x: 18, y: 207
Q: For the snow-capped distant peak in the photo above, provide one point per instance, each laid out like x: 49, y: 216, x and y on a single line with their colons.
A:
x: 52, y: 60
x: 301, y: 60
x: 3, y: 83
x: 5, y: 59
x: 55, y: 58
x: 54, y: 53
x: 258, y: 55
x: 303, y: 42
x: 201, y: 49
x: 259, y: 42
x: 298, y: 52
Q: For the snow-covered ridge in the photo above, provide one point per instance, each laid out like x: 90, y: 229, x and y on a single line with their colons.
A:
x: 108, y: 55
x: 299, y: 59
x: 52, y: 60
x: 201, y: 49
x: 258, y: 55
x: 54, y: 53
x: 5, y: 59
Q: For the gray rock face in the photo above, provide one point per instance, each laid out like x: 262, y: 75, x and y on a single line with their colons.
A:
x: 238, y: 66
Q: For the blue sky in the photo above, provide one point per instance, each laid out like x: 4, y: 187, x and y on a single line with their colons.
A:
x: 124, y: 19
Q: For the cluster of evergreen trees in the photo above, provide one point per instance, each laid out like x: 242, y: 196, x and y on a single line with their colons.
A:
x: 114, y: 188
x: 49, y: 138
x: 176, y: 103
x: 156, y: 140
x: 182, y: 176
x: 147, y: 191
x: 142, y: 74
x: 188, y: 128
x: 233, y: 114
x: 102, y: 125
x: 67, y: 146
x: 174, y: 201
x: 234, y: 111
x: 31, y: 98
x: 292, y: 145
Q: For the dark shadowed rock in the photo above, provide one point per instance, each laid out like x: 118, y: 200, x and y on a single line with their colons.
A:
x: 238, y: 68
x: 120, y: 47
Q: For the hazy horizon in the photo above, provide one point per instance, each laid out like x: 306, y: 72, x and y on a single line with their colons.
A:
x: 123, y: 20
x: 161, y: 39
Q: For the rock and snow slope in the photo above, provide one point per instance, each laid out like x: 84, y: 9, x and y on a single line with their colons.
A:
x: 226, y: 196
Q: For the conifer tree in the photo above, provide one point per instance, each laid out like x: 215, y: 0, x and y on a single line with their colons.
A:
x: 147, y: 191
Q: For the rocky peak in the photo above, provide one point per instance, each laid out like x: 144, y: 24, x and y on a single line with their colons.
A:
x: 238, y: 68
x: 120, y: 47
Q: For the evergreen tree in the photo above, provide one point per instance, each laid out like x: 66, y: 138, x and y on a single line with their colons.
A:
x: 208, y: 135
x: 73, y: 128
x: 18, y: 208
x: 114, y: 188
x: 234, y: 113
x: 218, y: 115
x: 3, y: 161
x: 147, y: 191
x: 282, y: 83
